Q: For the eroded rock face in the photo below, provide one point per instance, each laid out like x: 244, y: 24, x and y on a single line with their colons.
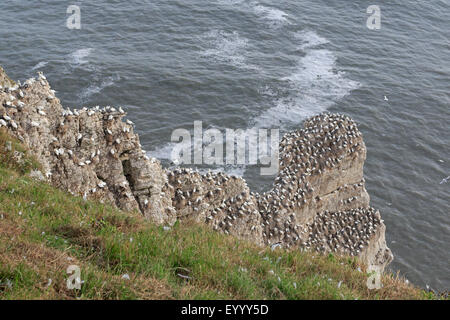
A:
x: 5, y: 81
x: 318, y: 200
x: 88, y: 152
x: 221, y: 201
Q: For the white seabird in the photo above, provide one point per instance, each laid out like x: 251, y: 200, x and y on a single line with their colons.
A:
x: 101, y: 184
x: 41, y: 76
x: 445, y: 180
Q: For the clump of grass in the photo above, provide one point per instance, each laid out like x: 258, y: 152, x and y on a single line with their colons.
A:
x: 43, y: 230
x: 13, y: 155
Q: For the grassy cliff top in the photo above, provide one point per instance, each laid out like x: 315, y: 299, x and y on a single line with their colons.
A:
x: 122, y: 256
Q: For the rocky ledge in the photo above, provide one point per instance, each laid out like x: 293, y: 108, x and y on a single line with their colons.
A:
x: 318, y: 200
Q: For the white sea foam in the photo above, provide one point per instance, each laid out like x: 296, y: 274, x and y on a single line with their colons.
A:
x: 232, y: 2
x: 165, y: 153
x: 235, y: 168
x: 97, y: 87
x: 313, y: 87
x: 162, y: 153
x: 273, y: 15
x: 309, y: 39
x: 79, y: 57
x: 226, y: 47
x: 40, y: 65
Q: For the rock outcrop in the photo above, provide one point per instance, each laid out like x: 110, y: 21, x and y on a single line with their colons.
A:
x: 318, y: 200
x: 88, y: 152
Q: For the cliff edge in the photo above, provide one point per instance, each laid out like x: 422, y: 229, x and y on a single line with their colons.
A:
x: 318, y: 200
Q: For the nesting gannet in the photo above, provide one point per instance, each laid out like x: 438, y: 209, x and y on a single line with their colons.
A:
x: 41, y: 76
x: 59, y: 151
x: 101, y: 184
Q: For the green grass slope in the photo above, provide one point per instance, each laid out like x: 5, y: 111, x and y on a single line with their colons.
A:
x: 121, y: 256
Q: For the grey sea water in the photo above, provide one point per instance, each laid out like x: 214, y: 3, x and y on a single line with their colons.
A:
x: 268, y: 64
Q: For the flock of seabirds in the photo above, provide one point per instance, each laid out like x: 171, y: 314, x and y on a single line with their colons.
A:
x: 326, y: 141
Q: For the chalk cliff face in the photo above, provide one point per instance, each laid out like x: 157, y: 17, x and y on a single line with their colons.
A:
x: 318, y: 200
